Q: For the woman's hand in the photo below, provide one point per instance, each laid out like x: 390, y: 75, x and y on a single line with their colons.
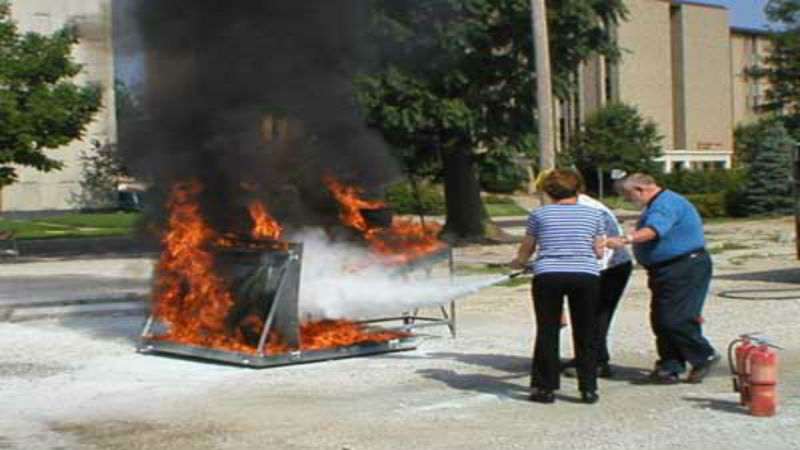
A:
x: 616, y: 242
x: 600, y: 246
x: 518, y: 265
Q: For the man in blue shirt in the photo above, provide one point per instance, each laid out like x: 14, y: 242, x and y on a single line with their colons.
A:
x: 669, y: 243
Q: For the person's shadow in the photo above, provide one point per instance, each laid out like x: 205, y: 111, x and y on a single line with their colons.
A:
x: 514, y: 378
x: 506, y: 384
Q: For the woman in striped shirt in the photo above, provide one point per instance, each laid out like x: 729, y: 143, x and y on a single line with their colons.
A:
x: 568, y: 239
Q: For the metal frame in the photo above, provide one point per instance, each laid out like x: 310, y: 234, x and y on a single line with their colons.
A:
x: 410, y: 319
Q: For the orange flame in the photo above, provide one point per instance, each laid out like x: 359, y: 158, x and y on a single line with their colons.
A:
x: 334, y: 333
x: 400, y: 243
x: 189, y: 297
x: 193, y: 301
x: 265, y: 226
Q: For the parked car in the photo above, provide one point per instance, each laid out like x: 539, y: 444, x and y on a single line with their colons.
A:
x: 130, y: 200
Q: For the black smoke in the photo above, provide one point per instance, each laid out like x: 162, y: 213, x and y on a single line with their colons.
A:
x: 254, y: 99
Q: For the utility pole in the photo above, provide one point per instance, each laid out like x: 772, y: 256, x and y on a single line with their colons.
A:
x: 544, y: 89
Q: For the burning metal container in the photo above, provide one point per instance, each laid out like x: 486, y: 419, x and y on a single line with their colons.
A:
x: 264, y: 283
x: 223, y: 297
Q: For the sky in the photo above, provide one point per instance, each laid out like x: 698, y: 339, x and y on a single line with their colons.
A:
x: 744, y: 13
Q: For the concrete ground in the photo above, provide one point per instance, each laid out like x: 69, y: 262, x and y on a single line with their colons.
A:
x: 75, y: 381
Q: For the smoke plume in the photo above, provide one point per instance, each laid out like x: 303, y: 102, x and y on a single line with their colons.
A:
x: 255, y: 101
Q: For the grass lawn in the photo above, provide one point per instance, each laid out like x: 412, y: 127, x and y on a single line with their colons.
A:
x: 72, y: 225
x: 497, y: 206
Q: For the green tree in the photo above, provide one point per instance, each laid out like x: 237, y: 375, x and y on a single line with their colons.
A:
x: 746, y: 138
x: 768, y: 190
x: 456, y: 76
x: 40, y: 107
x: 103, y: 166
x: 782, y: 64
x: 616, y: 137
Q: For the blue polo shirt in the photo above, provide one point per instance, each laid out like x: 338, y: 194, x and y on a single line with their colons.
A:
x: 679, y: 228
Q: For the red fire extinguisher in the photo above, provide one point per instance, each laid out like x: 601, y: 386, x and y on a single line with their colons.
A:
x: 754, y: 366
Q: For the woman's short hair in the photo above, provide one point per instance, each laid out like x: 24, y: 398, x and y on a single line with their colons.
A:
x: 561, y: 183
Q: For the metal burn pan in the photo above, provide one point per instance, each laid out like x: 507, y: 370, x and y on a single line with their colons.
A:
x: 264, y: 361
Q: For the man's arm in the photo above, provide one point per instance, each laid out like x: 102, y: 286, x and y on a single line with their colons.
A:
x: 641, y: 235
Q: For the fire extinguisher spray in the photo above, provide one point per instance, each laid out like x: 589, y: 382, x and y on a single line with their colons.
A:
x: 754, y: 366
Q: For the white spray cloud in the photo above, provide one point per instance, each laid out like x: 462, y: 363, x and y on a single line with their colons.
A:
x: 340, y: 280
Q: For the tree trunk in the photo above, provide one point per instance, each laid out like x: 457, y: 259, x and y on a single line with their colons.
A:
x: 465, y: 211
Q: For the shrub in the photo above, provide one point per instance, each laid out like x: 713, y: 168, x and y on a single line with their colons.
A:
x: 710, y: 204
x: 499, y: 173
x: 428, y: 200
x: 703, y: 182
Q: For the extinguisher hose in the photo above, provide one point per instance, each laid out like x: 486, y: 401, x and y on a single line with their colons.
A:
x: 732, y: 358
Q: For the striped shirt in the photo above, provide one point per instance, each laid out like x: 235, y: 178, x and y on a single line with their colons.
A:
x: 565, y: 237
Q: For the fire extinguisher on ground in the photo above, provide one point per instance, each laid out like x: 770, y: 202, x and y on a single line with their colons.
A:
x: 754, y: 366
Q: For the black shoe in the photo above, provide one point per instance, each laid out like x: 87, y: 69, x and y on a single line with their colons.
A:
x: 604, y: 370
x: 700, y: 371
x: 589, y: 397
x: 542, y: 396
x: 661, y: 376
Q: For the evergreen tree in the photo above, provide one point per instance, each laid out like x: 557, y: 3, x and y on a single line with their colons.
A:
x: 768, y: 191
x: 747, y: 136
x: 40, y: 107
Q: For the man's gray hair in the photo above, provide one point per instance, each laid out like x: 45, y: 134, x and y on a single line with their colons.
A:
x: 637, y: 180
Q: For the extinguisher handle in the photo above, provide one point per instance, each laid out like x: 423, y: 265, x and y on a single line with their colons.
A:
x: 759, y: 339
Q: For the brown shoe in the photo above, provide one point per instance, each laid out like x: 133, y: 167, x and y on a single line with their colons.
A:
x: 660, y: 376
x: 700, y: 371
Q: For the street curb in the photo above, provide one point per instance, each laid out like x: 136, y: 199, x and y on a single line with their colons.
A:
x: 130, y: 304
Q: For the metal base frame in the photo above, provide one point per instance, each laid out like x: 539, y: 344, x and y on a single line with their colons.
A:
x: 412, y: 320
x: 267, y: 360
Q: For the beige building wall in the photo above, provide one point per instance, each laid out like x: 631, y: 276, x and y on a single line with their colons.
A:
x: 644, y: 77
x: 58, y: 190
x: 702, y: 86
x: 748, y: 47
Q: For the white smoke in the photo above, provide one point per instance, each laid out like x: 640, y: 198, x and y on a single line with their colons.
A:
x: 339, y: 280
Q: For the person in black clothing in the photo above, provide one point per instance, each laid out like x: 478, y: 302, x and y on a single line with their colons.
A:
x: 568, y: 238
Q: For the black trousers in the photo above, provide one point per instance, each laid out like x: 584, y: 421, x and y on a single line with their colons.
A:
x: 612, y: 285
x: 679, y: 292
x: 582, y: 292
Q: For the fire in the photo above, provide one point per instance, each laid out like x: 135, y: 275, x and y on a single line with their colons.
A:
x: 265, y: 226
x: 193, y: 301
x: 403, y: 241
x: 335, y: 333
x: 189, y: 297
